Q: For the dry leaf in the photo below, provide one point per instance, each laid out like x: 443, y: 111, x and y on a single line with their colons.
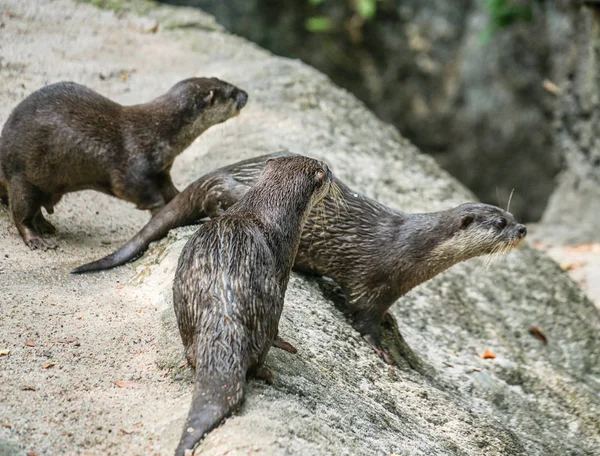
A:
x: 126, y: 432
x: 538, y: 334
x: 5, y: 424
x: 551, y: 87
x: 67, y: 340
x: 475, y: 369
x: 447, y: 364
x: 47, y: 365
x: 583, y: 248
x: 487, y: 354
x: 125, y: 383
x: 570, y: 266
x: 182, y: 364
x: 4, y: 352
x: 30, y: 343
x: 31, y: 453
x: 123, y: 76
x: 28, y: 388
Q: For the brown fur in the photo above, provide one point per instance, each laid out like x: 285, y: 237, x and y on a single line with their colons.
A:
x: 376, y: 254
x: 230, y: 284
x: 66, y: 137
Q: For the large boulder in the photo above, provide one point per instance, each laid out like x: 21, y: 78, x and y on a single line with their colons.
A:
x: 119, y: 385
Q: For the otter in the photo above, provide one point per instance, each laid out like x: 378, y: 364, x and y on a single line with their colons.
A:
x: 230, y: 284
x: 65, y: 137
x: 374, y: 253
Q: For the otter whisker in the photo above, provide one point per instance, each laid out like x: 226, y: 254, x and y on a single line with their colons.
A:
x: 509, y: 200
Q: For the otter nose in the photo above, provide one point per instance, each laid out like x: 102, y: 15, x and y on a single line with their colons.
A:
x: 522, y: 229
x: 241, y: 98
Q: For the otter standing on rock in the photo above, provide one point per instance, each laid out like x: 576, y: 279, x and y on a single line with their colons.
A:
x: 66, y: 137
x: 376, y: 254
x: 230, y: 283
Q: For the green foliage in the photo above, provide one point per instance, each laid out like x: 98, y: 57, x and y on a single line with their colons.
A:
x: 364, y: 9
x: 318, y: 24
x: 503, y: 13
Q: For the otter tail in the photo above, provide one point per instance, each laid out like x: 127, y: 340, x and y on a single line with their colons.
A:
x: 215, y: 398
x: 180, y: 211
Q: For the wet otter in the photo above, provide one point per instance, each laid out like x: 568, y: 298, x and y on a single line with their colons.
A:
x: 374, y: 253
x: 65, y: 137
x: 230, y: 283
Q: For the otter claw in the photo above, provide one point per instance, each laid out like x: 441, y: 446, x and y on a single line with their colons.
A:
x: 37, y: 243
x: 382, y: 352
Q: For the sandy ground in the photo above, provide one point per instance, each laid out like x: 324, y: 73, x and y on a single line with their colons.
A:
x: 66, y: 341
x: 78, y: 353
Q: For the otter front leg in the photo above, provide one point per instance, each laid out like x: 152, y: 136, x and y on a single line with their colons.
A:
x: 376, y: 324
x: 367, y: 321
x: 142, y: 190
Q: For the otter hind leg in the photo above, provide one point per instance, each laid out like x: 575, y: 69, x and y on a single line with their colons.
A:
x: 284, y: 345
x: 25, y: 204
x: 42, y: 225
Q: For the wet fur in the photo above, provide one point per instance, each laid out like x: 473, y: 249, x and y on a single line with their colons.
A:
x: 376, y: 254
x: 230, y: 284
x: 65, y: 137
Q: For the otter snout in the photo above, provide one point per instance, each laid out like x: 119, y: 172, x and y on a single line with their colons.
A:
x: 522, y: 230
x: 241, y: 98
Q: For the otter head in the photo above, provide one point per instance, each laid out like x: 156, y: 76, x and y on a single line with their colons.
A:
x: 479, y: 229
x: 204, y: 102
x: 305, y: 181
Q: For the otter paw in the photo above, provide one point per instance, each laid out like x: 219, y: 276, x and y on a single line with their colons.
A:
x: 381, y: 351
x: 38, y: 243
x: 45, y: 227
x: 284, y: 345
x: 384, y: 354
x: 264, y: 373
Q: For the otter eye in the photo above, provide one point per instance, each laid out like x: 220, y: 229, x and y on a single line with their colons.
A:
x: 466, y: 221
x: 500, y: 223
x: 320, y: 174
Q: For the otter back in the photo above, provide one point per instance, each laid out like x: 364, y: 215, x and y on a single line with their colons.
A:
x: 230, y: 284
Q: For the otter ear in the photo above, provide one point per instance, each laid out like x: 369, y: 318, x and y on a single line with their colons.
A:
x: 320, y: 174
x: 209, y: 98
x: 466, y: 221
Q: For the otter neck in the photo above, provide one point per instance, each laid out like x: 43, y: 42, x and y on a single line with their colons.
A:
x: 283, y: 217
x: 417, y: 256
x: 172, y: 131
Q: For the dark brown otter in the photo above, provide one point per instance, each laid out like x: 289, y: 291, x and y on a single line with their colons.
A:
x: 374, y: 253
x: 66, y: 137
x: 230, y: 283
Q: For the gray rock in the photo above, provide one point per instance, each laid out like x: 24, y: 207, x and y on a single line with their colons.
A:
x: 573, y: 211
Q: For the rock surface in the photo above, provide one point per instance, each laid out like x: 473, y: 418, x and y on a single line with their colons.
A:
x: 117, y: 385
